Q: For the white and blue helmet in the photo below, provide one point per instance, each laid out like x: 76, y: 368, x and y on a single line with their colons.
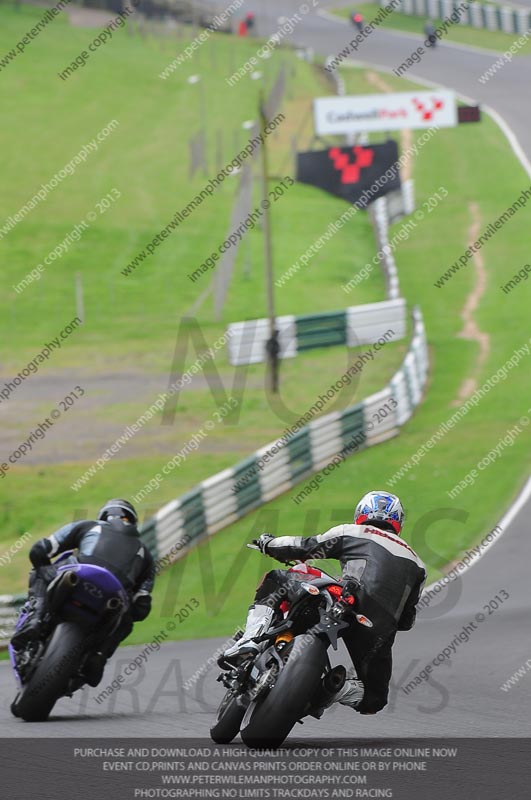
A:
x: 382, y: 509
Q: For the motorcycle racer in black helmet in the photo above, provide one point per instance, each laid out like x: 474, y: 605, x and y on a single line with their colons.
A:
x: 112, y: 541
x: 121, y: 509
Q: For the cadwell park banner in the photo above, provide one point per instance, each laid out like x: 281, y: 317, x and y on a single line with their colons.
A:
x: 336, y: 115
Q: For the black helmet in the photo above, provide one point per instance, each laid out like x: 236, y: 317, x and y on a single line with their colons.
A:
x: 118, y: 508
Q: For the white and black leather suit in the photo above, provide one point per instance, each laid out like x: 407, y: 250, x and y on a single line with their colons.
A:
x: 390, y: 576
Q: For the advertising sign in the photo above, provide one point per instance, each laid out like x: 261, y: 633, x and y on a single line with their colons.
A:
x: 384, y: 112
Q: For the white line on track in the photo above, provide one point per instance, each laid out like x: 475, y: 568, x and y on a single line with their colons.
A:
x: 504, y: 523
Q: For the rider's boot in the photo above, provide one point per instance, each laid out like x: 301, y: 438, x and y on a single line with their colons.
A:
x: 350, y: 694
x: 95, y: 663
x: 37, y: 607
x: 258, y: 621
x: 93, y: 668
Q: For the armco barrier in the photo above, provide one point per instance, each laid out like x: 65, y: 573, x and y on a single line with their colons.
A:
x: 478, y: 15
x: 301, y: 451
x: 353, y: 326
x: 379, y: 213
x: 383, y: 212
x: 9, y: 607
x: 398, y: 203
x: 335, y: 76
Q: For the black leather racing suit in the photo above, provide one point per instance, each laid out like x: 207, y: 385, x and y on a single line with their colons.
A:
x: 391, y: 577
x: 114, y: 545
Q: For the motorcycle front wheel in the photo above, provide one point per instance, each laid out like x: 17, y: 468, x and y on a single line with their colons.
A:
x: 50, y: 680
x: 229, y: 718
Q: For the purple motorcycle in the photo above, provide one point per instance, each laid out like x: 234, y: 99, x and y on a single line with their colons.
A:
x: 85, y: 603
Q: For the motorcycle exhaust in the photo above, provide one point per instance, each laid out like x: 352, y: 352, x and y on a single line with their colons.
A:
x: 61, y: 588
x: 332, y: 682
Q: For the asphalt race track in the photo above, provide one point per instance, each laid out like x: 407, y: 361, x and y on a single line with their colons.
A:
x: 463, y: 695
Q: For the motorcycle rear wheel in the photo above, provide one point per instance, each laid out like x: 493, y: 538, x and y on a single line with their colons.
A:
x: 271, y: 719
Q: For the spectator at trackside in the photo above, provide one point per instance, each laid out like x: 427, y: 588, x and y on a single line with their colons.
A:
x: 249, y: 20
x: 242, y: 28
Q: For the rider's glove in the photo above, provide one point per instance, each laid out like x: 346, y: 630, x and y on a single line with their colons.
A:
x: 263, y: 541
x: 39, y: 553
x: 350, y: 587
x: 47, y: 573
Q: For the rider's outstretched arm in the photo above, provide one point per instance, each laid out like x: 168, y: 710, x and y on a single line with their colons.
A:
x: 326, y: 545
